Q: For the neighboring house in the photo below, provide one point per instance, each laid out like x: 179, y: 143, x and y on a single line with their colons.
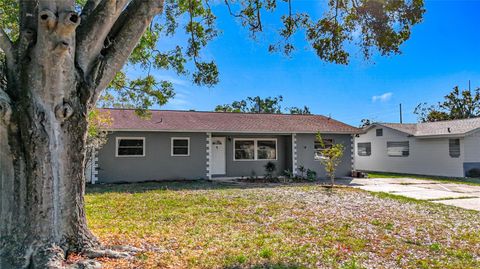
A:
x: 445, y: 148
x: 201, y: 145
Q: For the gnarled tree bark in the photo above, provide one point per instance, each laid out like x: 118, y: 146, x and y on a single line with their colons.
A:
x: 53, y: 79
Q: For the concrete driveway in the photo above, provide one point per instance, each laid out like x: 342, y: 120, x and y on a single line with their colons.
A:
x: 460, y: 195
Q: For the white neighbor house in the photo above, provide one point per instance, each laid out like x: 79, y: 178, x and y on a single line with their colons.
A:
x: 446, y: 148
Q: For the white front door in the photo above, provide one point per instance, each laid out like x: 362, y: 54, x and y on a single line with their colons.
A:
x: 218, y: 164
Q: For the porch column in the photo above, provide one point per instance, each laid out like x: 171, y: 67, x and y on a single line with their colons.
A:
x: 294, y: 154
x: 209, y: 155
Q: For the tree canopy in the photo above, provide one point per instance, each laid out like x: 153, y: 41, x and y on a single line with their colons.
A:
x: 258, y: 104
x: 372, y: 25
x: 458, y: 104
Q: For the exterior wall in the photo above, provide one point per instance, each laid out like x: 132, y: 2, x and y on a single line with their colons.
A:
x: 158, y: 164
x: 249, y: 168
x: 305, y: 154
x: 427, y: 156
x: 472, y: 151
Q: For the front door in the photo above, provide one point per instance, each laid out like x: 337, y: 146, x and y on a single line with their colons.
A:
x: 218, y: 164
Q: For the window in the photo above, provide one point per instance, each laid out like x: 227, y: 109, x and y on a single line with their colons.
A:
x: 454, y: 148
x: 364, y: 149
x: 379, y: 132
x: 180, y: 146
x: 244, y: 149
x: 255, y: 149
x: 266, y: 149
x: 398, y: 149
x: 130, y: 147
x: 318, y: 148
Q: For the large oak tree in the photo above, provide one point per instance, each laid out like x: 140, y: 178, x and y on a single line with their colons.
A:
x: 58, y: 56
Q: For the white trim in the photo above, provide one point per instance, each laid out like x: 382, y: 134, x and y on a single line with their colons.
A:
x: 118, y: 138
x: 223, y: 131
x: 209, y: 155
x: 171, y: 147
x: 255, y: 148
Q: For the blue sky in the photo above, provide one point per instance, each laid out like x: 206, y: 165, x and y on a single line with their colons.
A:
x: 443, y: 51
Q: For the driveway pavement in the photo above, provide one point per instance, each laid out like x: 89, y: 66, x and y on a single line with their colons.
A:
x: 460, y: 195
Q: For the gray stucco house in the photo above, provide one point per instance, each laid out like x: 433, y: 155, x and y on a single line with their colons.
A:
x: 173, y: 145
x: 444, y: 148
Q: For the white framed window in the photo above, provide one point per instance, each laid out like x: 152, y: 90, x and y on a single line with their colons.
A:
x: 454, y: 147
x: 130, y: 147
x: 250, y: 149
x: 398, y: 149
x: 180, y: 146
x: 379, y: 132
x: 319, y: 147
x: 364, y: 149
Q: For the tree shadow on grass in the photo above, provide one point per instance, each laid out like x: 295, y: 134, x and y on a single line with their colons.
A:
x: 182, y: 185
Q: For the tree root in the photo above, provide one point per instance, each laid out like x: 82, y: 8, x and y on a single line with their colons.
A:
x: 54, y: 257
x: 114, y: 252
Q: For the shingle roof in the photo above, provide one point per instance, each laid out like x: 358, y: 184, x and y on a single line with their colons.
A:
x: 438, y: 128
x: 168, y: 120
x: 409, y: 128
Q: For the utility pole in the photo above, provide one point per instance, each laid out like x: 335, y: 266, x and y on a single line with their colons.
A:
x: 401, y: 116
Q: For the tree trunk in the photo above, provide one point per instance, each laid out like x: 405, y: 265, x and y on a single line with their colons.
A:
x: 51, y: 85
x: 42, y: 175
x: 42, y: 154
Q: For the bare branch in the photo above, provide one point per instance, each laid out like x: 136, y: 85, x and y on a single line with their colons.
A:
x: 124, y: 36
x: 91, y: 35
x: 7, y: 47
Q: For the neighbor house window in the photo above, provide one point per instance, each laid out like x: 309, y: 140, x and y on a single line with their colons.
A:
x: 130, y: 147
x: 255, y: 149
x: 379, y: 132
x: 319, y: 147
x: 364, y: 149
x: 454, y: 147
x: 180, y: 146
x: 398, y: 149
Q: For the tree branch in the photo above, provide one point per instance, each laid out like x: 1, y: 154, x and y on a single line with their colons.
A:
x: 89, y: 8
x: 7, y: 47
x: 125, y: 34
x: 5, y: 109
x: 91, y: 35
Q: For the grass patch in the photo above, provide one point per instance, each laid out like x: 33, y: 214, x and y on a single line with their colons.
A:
x: 209, y: 225
x: 462, y: 180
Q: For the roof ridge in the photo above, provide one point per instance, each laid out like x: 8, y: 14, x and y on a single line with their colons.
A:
x: 216, y: 112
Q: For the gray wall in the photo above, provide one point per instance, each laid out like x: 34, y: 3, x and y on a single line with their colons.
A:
x: 305, y: 154
x: 427, y: 156
x: 255, y: 167
x: 157, y: 163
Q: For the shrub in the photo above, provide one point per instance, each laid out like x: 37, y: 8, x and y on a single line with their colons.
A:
x: 311, y: 175
x: 269, y: 170
x: 302, y: 170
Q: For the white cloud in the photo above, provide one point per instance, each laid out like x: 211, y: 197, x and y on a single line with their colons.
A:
x: 383, y: 97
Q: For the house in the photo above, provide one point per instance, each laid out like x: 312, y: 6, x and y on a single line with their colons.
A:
x: 172, y: 145
x: 444, y: 148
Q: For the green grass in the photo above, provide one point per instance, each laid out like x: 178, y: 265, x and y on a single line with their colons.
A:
x: 462, y: 180
x: 210, y: 225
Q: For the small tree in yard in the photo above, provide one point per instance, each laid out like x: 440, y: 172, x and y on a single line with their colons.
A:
x: 331, y: 157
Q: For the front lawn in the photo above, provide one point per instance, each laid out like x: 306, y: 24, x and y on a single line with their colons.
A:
x: 210, y: 225
x: 461, y: 180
